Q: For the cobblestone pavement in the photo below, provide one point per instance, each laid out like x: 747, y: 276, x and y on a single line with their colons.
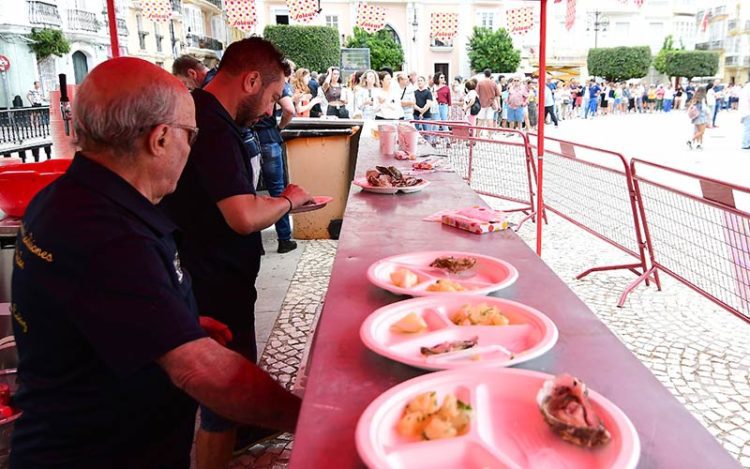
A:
x: 697, y: 350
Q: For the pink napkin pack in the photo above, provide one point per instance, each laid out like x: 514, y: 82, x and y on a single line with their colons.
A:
x: 477, y: 220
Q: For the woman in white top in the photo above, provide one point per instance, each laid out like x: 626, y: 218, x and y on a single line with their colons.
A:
x: 388, y: 103
x: 469, y: 99
x: 368, y: 94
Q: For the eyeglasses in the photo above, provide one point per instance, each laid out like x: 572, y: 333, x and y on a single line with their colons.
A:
x: 192, y: 132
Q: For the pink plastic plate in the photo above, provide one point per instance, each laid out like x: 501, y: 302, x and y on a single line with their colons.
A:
x: 529, y: 334
x: 362, y: 182
x: 317, y: 203
x: 488, y: 275
x: 506, y: 431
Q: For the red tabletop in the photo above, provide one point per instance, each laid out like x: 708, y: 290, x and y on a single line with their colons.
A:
x: 344, y: 376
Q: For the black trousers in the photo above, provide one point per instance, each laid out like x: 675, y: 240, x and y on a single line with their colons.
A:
x: 550, y: 110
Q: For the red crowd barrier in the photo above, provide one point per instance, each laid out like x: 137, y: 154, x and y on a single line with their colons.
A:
x: 593, y: 189
x: 696, y: 233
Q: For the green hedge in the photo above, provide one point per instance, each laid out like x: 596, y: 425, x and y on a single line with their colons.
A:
x: 692, y: 63
x: 312, y: 47
x: 384, y: 50
x: 619, y: 63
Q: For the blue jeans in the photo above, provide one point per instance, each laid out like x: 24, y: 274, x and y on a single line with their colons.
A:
x: 444, y: 114
x: 272, y: 169
x: 591, y: 107
x: 746, y: 134
x: 667, y: 105
x: 716, y: 111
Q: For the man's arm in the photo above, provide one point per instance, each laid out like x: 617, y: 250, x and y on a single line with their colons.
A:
x: 287, y: 111
x: 248, y: 213
x: 230, y: 385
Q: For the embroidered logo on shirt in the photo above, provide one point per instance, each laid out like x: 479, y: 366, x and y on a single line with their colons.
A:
x: 178, y: 267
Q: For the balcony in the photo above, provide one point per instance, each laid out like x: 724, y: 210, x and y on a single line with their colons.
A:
x: 122, y: 25
x: 710, y: 45
x: 736, y: 61
x: 43, y: 13
x: 80, y: 20
x: 216, y: 3
x: 202, y: 42
x: 177, y: 6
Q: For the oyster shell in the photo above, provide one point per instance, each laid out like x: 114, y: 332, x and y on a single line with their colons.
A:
x: 565, y: 405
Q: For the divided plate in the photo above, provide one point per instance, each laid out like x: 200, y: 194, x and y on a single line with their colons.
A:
x: 488, y: 275
x: 362, y: 182
x: 529, y: 334
x: 506, y: 430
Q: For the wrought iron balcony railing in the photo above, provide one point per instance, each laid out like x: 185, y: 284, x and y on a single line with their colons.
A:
x: 44, y: 13
x: 81, y: 20
x: 202, y: 42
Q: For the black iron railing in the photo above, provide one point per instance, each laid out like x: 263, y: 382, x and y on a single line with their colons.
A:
x: 202, y: 42
x: 44, y: 13
x: 20, y: 125
x: 81, y: 20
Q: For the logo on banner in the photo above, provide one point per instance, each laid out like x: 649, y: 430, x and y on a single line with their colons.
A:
x: 370, y: 18
x: 241, y: 14
x: 157, y: 10
x: 303, y: 11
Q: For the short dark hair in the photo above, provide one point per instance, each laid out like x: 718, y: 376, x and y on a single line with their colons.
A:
x: 254, y: 54
x: 387, y: 69
x: 184, y: 63
x: 471, y: 84
x: 487, y: 72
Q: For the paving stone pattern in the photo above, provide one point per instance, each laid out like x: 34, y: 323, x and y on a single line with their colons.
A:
x: 700, y: 352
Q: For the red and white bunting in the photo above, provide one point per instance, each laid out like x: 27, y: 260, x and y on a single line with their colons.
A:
x: 370, y: 18
x: 241, y: 14
x: 157, y: 10
x: 639, y: 3
x: 570, y: 14
x: 302, y: 11
x: 519, y: 20
x: 443, y: 26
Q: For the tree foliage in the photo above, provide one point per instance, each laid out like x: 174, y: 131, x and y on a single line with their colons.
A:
x: 48, y: 42
x: 692, y: 63
x: 312, y: 47
x: 384, y: 50
x: 493, y: 50
x: 660, y: 60
x: 619, y: 63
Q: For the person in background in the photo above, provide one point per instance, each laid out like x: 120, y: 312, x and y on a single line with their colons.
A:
x: 668, y: 98
x: 413, y: 79
x: 651, y: 97
x: 518, y: 96
x: 711, y: 101
x: 639, y: 92
x: 221, y: 216
x: 689, y: 92
x: 35, y: 95
x: 718, y: 90
x: 593, y: 93
x: 303, y: 97
x: 388, y: 105
x: 743, y: 108
x: 368, y: 93
x: 659, y: 98
x: 488, y: 94
x: 192, y: 72
x: 113, y: 355
x: 533, y: 107
x: 442, y: 95
x: 407, y: 95
x: 470, y: 98
x: 314, y: 86
x: 699, y: 107
x: 549, y: 105
x: 733, y: 96
x: 678, y: 96
x: 458, y: 91
x: 422, y: 102
x: 335, y: 94
x: 564, y: 98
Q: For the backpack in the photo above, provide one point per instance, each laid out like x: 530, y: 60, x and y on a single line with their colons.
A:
x: 693, y: 112
x: 476, y: 107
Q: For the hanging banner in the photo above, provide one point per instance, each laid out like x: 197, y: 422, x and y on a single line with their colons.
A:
x: 157, y: 10
x: 443, y: 26
x: 302, y: 11
x: 570, y: 14
x: 370, y: 18
x: 639, y: 2
x: 241, y: 14
x: 519, y: 20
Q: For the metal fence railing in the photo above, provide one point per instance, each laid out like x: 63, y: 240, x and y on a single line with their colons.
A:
x: 593, y: 189
x: 697, y: 233
x: 20, y: 125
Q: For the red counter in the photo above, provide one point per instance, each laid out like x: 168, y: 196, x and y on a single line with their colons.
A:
x: 344, y: 376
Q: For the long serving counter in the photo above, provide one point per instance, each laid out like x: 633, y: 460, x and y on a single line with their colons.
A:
x: 344, y: 376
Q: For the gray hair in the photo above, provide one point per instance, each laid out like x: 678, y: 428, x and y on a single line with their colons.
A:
x: 117, y: 122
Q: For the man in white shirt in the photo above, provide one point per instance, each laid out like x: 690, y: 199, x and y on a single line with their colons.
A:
x: 743, y: 106
x: 406, y: 95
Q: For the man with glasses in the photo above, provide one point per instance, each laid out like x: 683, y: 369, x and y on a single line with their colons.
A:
x: 112, y: 355
x: 216, y: 206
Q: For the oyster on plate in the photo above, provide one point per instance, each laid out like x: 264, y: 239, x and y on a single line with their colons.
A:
x: 565, y: 405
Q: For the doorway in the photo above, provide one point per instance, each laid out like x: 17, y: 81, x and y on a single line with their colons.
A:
x: 80, y: 66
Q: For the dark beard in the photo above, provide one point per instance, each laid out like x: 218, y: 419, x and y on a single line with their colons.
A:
x: 248, y: 111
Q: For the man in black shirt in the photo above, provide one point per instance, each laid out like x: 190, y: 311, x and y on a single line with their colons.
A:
x: 111, y: 349
x: 216, y: 206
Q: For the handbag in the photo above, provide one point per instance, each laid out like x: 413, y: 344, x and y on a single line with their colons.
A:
x: 476, y: 107
x: 693, y: 112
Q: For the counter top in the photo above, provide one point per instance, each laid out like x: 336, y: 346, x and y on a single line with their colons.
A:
x: 345, y: 376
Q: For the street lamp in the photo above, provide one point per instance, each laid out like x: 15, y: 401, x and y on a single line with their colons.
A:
x: 599, y: 23
x: 414, y: 26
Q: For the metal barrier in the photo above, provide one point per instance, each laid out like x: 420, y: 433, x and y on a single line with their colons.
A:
x: 495, y: 162
x: 593, y: 189
x: 701, y: 238
x: 20, y: 125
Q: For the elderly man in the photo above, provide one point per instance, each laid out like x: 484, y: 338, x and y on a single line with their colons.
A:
x: 192, y: 72
x: 111, y: 350
x: 215, y: 204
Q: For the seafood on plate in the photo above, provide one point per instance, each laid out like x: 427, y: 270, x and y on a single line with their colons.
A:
x: 445, y: 286
x: 390, y: 176
x: 479, y: 315
x: 423, y: 165
x: 404, y: 278
x: 404, y: 155
x: 410, y: 324
x: 454, y: 265
x: 423, y: 419
x: 565, y: 405
x: 449, y: 346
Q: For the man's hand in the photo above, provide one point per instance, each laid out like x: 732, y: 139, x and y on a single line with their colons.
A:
x: 297, y: 195
x: 217, y: 330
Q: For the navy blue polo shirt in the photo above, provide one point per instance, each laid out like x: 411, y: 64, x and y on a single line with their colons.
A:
x: 98, y: 295
x: 218, y: 167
